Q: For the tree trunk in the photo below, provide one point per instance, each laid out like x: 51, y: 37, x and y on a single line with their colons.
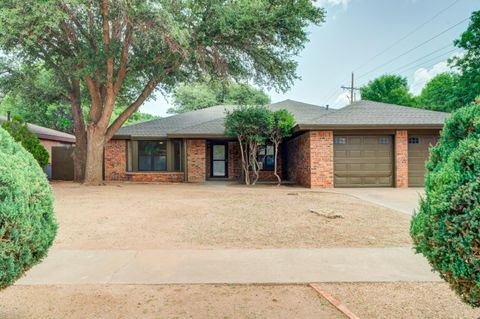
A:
x: 275, y: 164
x: 254, y: 162
x: 94, y: 156
x: 245, y: 174
x: 79, y: 159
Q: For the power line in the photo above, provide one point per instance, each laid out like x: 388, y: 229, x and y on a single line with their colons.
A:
x: 425, y: 56
x: 414, y: 48
x: 438, y: 56
x: 395, y: 43
x: 407, y: 35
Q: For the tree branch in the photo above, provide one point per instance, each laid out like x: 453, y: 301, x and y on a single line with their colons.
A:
x: 132, y: 108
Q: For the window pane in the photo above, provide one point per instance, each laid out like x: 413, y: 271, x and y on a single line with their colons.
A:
x: 144, y: 163
x: 340, y: 140
x: 270, y: 150
x: 218, y: 168
x: 218, y: 152
x: 152, y: 156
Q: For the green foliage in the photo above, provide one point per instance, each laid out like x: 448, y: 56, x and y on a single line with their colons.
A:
x: 32, y: 92
x: 388, y: 89
x: 442, y: 93
x: 18, y: 129
x: 27, y: 223
x: 445, y: 229
x: 137, y: 117
x: 469, y: 62
x: 202, y: 95
x: 250, y: 123
x: 283, y: 123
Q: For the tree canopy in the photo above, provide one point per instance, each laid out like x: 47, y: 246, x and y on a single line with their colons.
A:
x: 32, y: 93
x: 469, y: 62
x: 121, y: 51
x: 442, y: 93
x: 197, y: 96
x: 388, y: 89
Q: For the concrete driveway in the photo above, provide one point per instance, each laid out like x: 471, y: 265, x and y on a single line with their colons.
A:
x: 404, y: 200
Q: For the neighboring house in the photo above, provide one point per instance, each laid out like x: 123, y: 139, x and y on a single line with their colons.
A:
x: 48, y: 138
x: 365, y: 144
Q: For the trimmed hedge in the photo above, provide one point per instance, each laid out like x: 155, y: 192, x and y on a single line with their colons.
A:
x: 27, y: 223
x: 446, y: 229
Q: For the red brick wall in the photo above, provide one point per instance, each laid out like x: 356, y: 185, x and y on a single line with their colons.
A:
x: 157, y: 177
x: 234, y: 161
x: 298, y: 159
x: 401, y: 159
x: 310, y: 159
x: 115, y: 160
x: 196, y: 160
x: 321, y: 159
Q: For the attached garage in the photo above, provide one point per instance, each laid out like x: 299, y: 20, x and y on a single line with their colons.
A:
x: 418, y: 151
x: 363, y: 161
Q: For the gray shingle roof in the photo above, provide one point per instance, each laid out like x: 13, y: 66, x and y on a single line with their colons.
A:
x: 47, y: 133
x: 369, y: 113
x: 210, y: 121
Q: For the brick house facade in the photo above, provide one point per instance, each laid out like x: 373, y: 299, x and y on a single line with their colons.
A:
x: 366, y: 144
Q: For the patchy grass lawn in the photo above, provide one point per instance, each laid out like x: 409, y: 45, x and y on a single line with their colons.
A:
x: 366, y: 300
x: 183, y: 301
x: 140, y: 216
x: 401, y: 300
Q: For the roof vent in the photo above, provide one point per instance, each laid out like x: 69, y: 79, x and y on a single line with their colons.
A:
x: 327, y: 106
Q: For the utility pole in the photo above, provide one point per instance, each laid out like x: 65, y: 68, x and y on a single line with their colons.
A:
x: 352, y: 89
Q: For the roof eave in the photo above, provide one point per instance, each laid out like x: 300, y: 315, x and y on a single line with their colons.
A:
x: 55, y: 138
x: 196, y: 135
x: 312, y: 127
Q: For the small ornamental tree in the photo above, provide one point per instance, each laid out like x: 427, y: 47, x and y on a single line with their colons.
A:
x: 251, y: 126
x: 27, y: 223
x: 18, y: 129
x: 446, y: 227
x: 283, y: 122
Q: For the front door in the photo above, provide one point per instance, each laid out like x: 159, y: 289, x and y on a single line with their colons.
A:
x: 219, y: 160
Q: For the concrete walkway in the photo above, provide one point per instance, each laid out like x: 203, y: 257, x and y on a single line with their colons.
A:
x: 404, y: 200
x: 229, y: 266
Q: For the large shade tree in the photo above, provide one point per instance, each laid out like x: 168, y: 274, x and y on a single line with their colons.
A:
x: 121, y: 51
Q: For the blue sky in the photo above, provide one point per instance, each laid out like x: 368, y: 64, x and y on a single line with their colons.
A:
x: 357, y: 30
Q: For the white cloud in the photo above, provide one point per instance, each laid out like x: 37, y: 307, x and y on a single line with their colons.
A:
x: 342, y: 100
x: 333, y: 3
x: 423, y: 75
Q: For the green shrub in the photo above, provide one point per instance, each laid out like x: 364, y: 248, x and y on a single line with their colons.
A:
x: 27, y: 223
x: 446, y: 229
x: 18, y: 129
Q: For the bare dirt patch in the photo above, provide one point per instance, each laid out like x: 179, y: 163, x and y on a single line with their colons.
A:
x: 401, y: 300
x: 186, y: 301
x: 141, y: 216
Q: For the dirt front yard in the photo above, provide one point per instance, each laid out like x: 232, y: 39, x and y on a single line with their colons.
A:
x: 373, y: 300
x: 140, y: 216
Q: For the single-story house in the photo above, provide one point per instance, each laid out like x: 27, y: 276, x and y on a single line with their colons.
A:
x: 365, y: 144
x: 48, y: 138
